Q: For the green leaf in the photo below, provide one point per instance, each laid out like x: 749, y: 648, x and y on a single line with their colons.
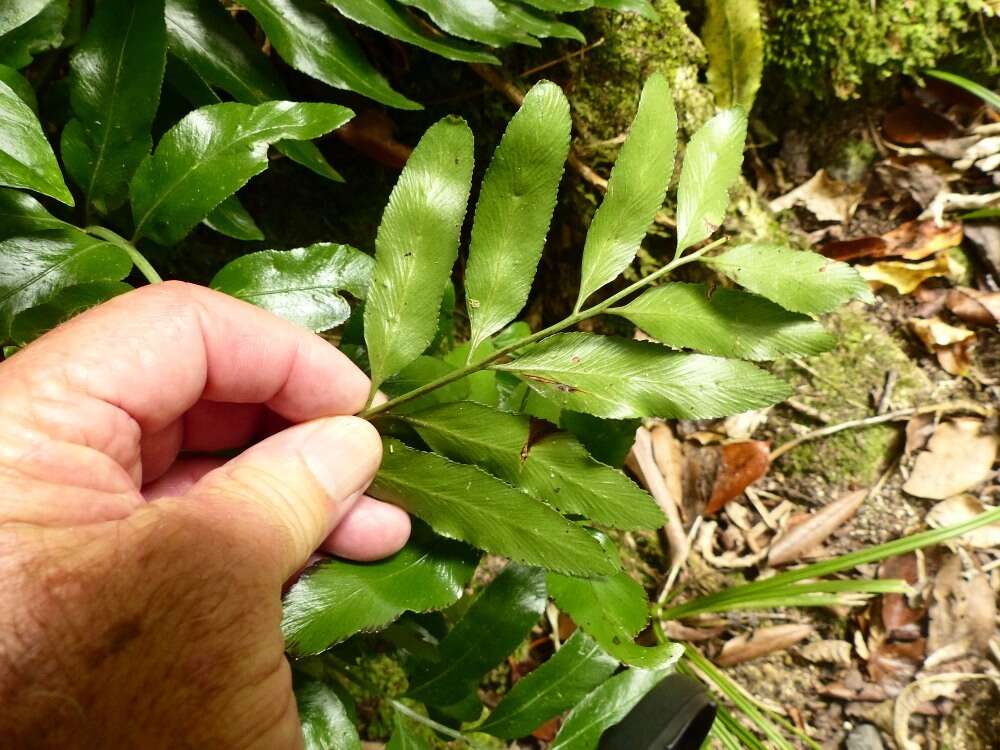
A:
x: 210, y: 154
x: 29, y: 324
x: 560, y: 6
x: 231, y: 219
x: 514, y: 210
x: 482, y: 384
x: 605, y: 707
x: 724, y: 322
x: 26, y: 158
x: 555, y: 468
x: 976, y: 89
x: 618, y: 378
x: 392, y: 21
x: 422, y: 371
x: 34, y: 267
x: 798, y: 280
x: 18, y: 12
x: 636, y: 189
x: 43, y: 32
x: 208, y: 39
x: 404, y: 738
x: 416, y: 246
x: 538, y: 24
x: 476, y: 20
x: 115, y: 78
x: 494, y: 625
x: 20, y: 86
x: 309, y: 38
x: 711, y: 166
x: 325, y: 723
x: 560, y: 683
x: 642, y: 7
x: 301, y: 285
x: 464, y: 502
x: 20, y: 213
x: 337, y: 598
x: 613, y: 610
x: 187, y: 82
x: 735, y: 51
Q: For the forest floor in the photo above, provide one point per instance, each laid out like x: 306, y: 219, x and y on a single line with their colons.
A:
x: 893, y: 430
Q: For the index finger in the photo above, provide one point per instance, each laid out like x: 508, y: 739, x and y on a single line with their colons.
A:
x: 154, y: 352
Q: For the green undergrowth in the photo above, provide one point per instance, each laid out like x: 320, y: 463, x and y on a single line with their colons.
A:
x: 841, y: 389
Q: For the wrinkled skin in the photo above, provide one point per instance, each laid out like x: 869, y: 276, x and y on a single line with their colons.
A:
x: 140, y: 588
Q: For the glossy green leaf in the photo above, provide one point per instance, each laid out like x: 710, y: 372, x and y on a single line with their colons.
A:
x: 42, y: 32
x: 416, y: 246
x: 34, y: 267
x: 476, y: 20
x: 976, y: 89
x: 514, y: 210
x: 404, y: 738
x: 20, y: 213
x: 537, y: 23
x: 560, y: 683
x: 482, y: 384
x: 735, y: 49
x: 724, y: 322
x: 555, y: 468
x: 17, y: 12
x: 642, y: 7
x: 711, y: 166
x: 613, y: 610
x: 464, y: 502
x: 798, y: 280
x: 26, y: 158
x: 29, y: 324
x: 20, y: 86
x: 605, y: 707
x: 311, y: 39
x: 187, y: 82
x: 494, y: 625
x: 325, y: 723
x: 208, y: 39
x: 301, y: 285
x: 607, y: 440
x: 210, y: 154
x: 393, y: 21
x: 338, y: 598
x: 619, y: 378
x: 636, y: 189
x: 115, y: 78
x: 233, y: 220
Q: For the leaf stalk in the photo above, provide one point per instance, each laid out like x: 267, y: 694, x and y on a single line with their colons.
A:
x: 562, y: 325
x: 144, y: 266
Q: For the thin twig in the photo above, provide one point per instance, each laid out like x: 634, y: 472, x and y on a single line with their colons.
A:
x: 649, y: 472
x: 565, y: 58
x: 891, y: 416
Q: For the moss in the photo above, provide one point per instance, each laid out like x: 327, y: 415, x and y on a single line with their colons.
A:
x: 840, y: 384
x: 607, y: 80
x: 386, y: 679
x: 824, y: 48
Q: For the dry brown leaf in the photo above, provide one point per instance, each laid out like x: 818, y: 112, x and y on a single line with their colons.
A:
x: 668, y: 457
x: 963, y: 608
x: 912, y: 123
x: 918, y: 432
x: 973, y: 306
x: 679, y: 632
x: 914, y: 240
x: 904, y: 277
x: 957, y: 459
x: 832, y: 652
x: 893, y: 664
x: 921, y: 691
x: 824, y: 197
x: 728, y: 559
x: 763, y: 641
x: 900, y: 620
x: 964, y: 508
x: 743, y: 463
x: 950, y: 344
x: 806, y: 536
x: 648, y: 472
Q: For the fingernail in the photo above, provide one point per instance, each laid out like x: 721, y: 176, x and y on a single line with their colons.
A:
x: 343, y: 454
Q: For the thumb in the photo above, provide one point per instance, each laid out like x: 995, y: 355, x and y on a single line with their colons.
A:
x: 289, y: 491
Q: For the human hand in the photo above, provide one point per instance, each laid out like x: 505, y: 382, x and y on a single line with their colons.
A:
x: 139, y: 591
